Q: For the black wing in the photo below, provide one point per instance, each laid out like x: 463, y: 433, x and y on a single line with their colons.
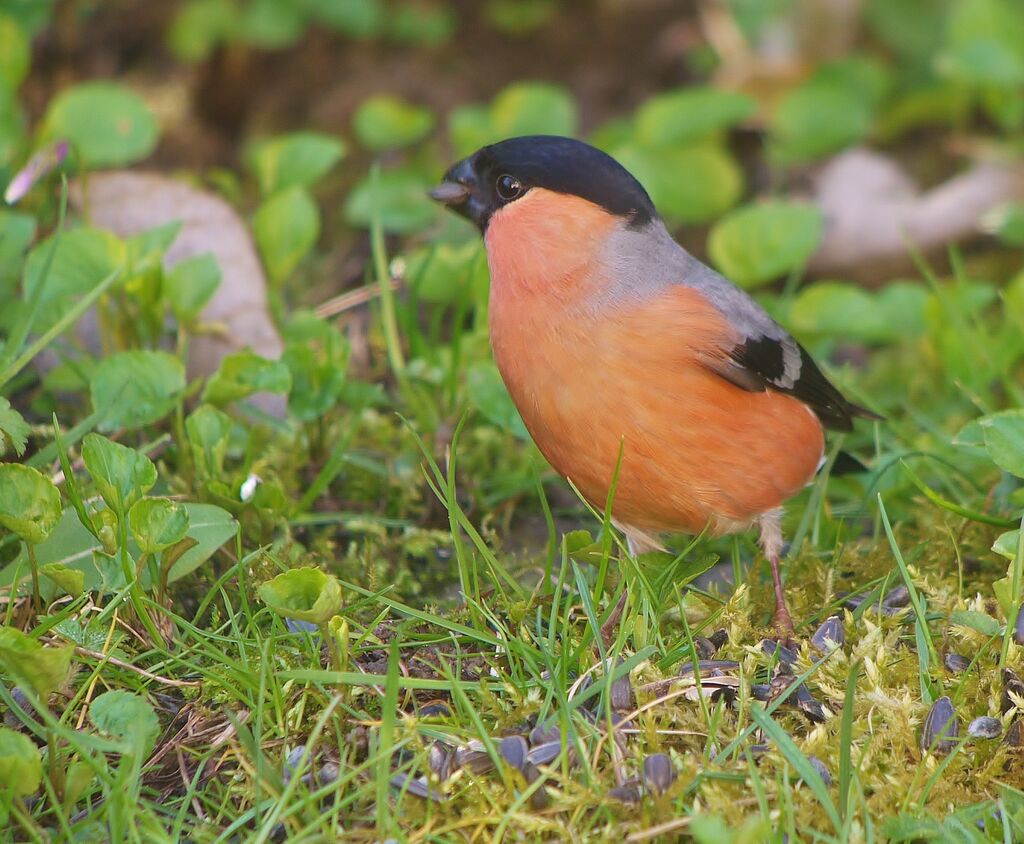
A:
x: 782, y: 364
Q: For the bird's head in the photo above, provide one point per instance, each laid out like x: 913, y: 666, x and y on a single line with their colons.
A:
x: 497, y: 177
x: 549, y: 207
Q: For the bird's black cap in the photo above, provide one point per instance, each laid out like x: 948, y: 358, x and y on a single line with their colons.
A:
x: 500, y: 173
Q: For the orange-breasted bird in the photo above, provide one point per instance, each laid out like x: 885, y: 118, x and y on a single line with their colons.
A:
x: 612, y: 339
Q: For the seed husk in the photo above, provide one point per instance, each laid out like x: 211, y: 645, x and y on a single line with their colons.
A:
x: 658, y: 774
x: 985, y: 727
x: 829, y: 635
x: 941, y: 728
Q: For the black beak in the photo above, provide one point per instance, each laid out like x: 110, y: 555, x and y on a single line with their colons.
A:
x: 458, y: 191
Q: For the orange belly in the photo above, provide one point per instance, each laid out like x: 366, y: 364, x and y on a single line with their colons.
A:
x: 697, y: 451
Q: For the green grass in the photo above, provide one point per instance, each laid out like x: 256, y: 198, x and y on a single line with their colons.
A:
x: 475, y: 583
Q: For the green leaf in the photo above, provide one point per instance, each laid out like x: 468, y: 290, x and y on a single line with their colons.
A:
x: 445, y: 273
x: 84, y: 257
x: 388, y: 122
x: 69, y: 580
x: 72, y: 546
x: 21, y: 769
x: 687, y: 184
x: 818, y: 118
x: 982, y: 622
x: 157, y: 523
x: 1007, y: 543
x: 243, y: 373
x: 127, y: 717
x: 190, y: 284
x: 469, y: 128
x: 16, y: 233
x: 13, y: 429
x: 208, y: 430
x: 198, y: 27
x: 534, y: 108
x: 209, y: 527
x: 842, y: 310
x: 29, y: 502
x: 1004, y: 439
x: 307, y: 594
x: 486, y: 392
x: 108, y: 124
x: 25, y: 659
x: 297, y: 160
x: 985, y: 43
x: 763, y: 241
x: 690, y: 114
x: 356, y: 18
x: 399, y: 196
x: 121, y: 474
x: 132, y: 389
x: 15, y: 53
x: 286, y: 227
x: 316, y: 354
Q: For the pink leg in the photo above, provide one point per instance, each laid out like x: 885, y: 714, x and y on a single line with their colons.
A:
x: 771, y: 544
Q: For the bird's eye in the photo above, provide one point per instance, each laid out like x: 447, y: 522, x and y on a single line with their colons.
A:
x: 509, y: 188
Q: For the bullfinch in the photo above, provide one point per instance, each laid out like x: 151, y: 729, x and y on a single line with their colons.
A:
x: 631, y: 361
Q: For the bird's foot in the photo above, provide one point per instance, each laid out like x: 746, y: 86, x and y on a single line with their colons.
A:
x: 610, y: 628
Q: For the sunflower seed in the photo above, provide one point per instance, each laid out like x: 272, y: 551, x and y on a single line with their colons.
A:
x: 435, y: 709
x: 896, y: 598
x: 709, y: 667
x: 417, y: 786
x: 985, y: 727
x: 1013, y: 735
x: 956, y: 663
x: 545, y: 753
x: 513, y: 750
x: 473, y: 757
x: 542, y: 734
x: 629, y: 792
x: 658, y: 774
x: 941, y: 728
x: 1018, y: 627
x: 822, y: 770
x: 829, y: 635
x: 621, y: 698
x: 539, y: 800
x: 1013, y: 690
x: 439, y: 760
x: 786, y: 656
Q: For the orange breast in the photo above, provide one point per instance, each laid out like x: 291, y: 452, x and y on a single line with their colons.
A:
x: 697, y: 451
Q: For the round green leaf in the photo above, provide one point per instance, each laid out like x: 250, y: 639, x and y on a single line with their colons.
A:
x: 763, y: 241
x: 687, y: 184
x: 83, y: 258
x: 71, y: 581
x: 127, y: 717
x: 132, y: 389
x: 121, y: 474
x: 534, y: 108
x: 835, y: 309
x: 301, y: 158
x: 398, y: 196
x: 819, y: 118
x: 198, y: 27
x: 469, y: 128
x: 15, y: 55
x: 680, y: 117
x: 307, y: 594
x: 44, y: 669
x: 387, y: 122
x: 29, y: 502
x: 157, y: 523
x: 286, y: 226
x: 108, y: 124
x: 243, y: 373
x: 1004, y: 439
x: 190, y: 284
x: 21, y: 769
